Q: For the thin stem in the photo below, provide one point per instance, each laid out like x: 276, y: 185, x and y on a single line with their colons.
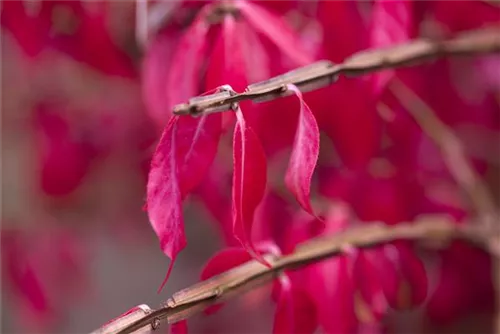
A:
x: 324, y: 73
x: 461, y: 169
x: 193, y: 300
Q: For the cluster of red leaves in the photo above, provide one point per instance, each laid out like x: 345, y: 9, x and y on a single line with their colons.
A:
x: 43, y: 271
x: 76, y: 108
x: 382, y: 167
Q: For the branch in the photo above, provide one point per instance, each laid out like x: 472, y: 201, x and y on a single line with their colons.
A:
x: 324, y: 73
x: 195, y: 299
x: 460, y: 168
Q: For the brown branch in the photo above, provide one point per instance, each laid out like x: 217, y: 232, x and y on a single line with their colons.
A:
x: 198, y: 297
x: 460, y: 168
x: 324, y: 73
x: 247, y: 276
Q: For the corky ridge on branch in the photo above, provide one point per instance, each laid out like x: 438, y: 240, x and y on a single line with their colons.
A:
x: 323, y: 73
x: 195, y: 299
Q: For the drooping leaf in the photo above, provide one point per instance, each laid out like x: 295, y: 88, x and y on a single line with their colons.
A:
x: 64, y: 161
x: 164, y: 199
x: 344, y: 26
x: 249, y: 182
x: 227, y: 64
x: 222, y: 261
x: 156, y: 67
x: 277, y: 30
x: 368, y: 280
x: 271, y: 219
x: 414, y: 275
x: 181, y: 160
x: 407, y: 286
x: 392, y: 22
x: 295, y: 312
x: 183, y: 79
x: 304, y: 156
x: 330, y: 283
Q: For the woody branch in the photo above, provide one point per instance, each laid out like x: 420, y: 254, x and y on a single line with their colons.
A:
x: 484, y: 230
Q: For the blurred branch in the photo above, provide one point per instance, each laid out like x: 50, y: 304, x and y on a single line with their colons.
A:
x: 151, y: 17
x: 460, y: 168
x: 198, y: 297
x: 193, y: 300
x: 324, y: 73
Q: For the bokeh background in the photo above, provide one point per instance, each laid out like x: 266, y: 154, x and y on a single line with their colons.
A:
x: 77, y: 248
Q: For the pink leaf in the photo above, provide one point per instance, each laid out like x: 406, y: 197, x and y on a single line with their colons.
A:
x: 221, y: 262
x: 407, y: 285
x: 368, y: 280
x: 276, y: 30
x: 155, y: 71
x: 413, y: 272
x: 181, y: 160
x: 64, y: 160
x: 343, y: 23
x: 180, y: 327
x: 304, y: 156
x: 392, y: 23
x: 295, y: 312
x: 249, y: 182
x: 184, y: 73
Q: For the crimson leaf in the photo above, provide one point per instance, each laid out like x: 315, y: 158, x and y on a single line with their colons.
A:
x: 181, y: 160
x: 249, y: 182
x: 304, y: 156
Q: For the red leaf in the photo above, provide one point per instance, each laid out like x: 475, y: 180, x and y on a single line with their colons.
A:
x: 249, y: 182
x: 65, y: 161
x: 184, y: 74
x: 392, y: 23
x: 227, y: 65
x: 272, y: 218
x: 180, y: 327
x: 304, y: 156
x: 368, y: 280
x: 155, y: 71
x: 330, y: 282
x: 295, y: 312
x: 414, y: 274
x: 181, y: 160
x: 221, y: 262
x: 407, y: 286
x: 276, y: 30
x: 344, y: 25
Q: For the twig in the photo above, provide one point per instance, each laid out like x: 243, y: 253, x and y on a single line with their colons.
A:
x: 460, y: 168
x: 324, y: 73
x: 243, y: 278
x: 195, y: 299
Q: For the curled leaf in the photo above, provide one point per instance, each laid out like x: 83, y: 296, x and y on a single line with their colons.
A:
x: 181, y: 160
x: 304, y: 156
x: 249, y: 182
